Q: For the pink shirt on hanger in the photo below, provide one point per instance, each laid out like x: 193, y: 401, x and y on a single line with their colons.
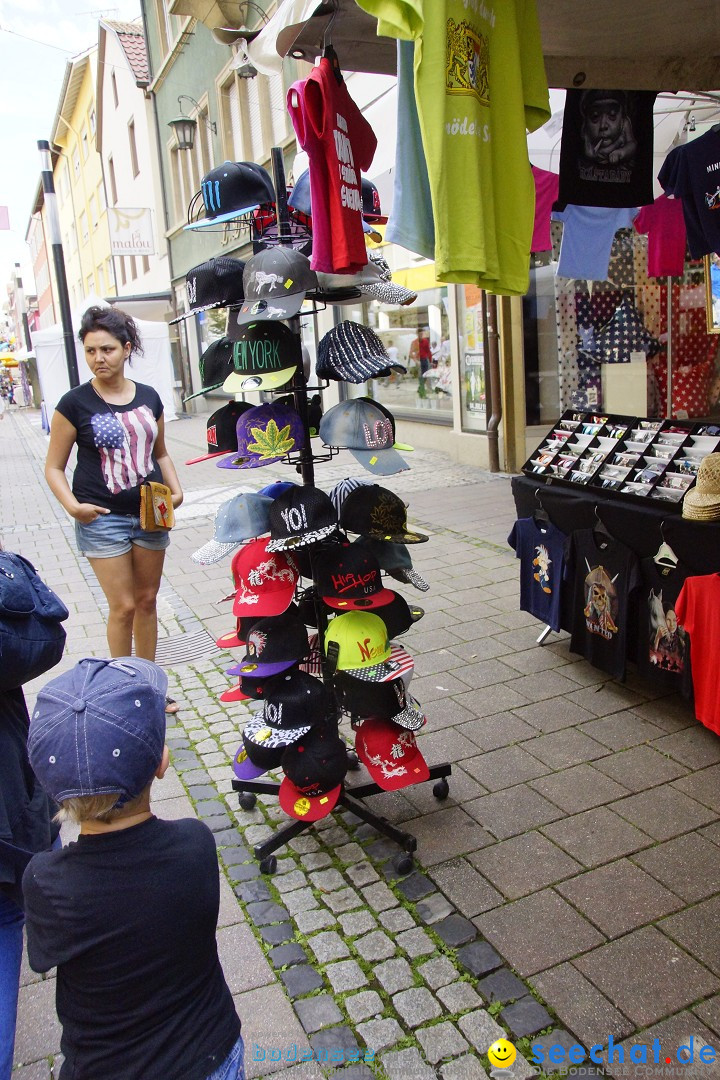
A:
x: 546, y: 193
x: 664, y: 224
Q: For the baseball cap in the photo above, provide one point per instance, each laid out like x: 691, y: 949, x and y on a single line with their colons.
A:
x: 352, y: 353
x: 264, y: 745
x: 390, y: 754
x: 398, y: 615
x: 299, y: 199
x: 274, y: 644
x: 314, y: 768
x: 343, y: 488
x: 349, y: 579
x: 359, y: 639
x: 379, y: 513
x: 243, y: 766
x: 301, y: 516
x: 372, y: 211
x: 231, y: 190
x: 405, y: 447
x: 277, y: 487
x: 265, y: 579
x: 221, y: 427
x: 387, y: 700
x: 248, y: 688
x: 294, y: 700
x: 265, y: 434
x: 214, y: 366
x: 244, y: 516
x: 234, y: 639
x: 99, y: 729
x: 396, y: 666
x: 395, y: 560
x: 265, y: 356
x: 215, y: 283
x: 365, y: 431
x: 275, y: 282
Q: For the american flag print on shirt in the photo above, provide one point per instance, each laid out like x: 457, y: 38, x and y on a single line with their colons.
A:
x: 125, y: 441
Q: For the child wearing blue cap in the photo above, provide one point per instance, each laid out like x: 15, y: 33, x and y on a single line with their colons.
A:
x: 127, y: 913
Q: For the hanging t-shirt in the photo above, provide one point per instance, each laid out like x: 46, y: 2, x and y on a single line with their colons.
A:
x: 541, y: 550
x: 411, y: 221
x: 587, y: 239
x: 698, y: 609
x: 546, y: 193
x: 662, y: 643
x: 479, y: 83
x: 692, y: 172
x: 603, y: 573
x: 339, y: 143
x: 115, y: 446
x: 606, y: 153
x: 664, y: 224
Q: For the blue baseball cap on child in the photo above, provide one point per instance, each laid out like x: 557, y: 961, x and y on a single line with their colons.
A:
x: 99, y: 728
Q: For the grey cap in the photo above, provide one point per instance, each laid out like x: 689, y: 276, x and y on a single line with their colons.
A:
x: 274, y: 282
x: 241, y: 518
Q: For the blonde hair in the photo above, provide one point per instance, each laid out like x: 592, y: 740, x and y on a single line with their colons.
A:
x: 89, y: 808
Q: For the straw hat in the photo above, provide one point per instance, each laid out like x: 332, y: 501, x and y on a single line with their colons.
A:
x: 702, y: 502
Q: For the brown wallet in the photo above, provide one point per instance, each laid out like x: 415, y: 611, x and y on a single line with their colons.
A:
x: 156, y: 508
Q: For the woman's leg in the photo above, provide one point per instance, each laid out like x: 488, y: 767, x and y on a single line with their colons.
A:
x: 11, y: 944
x: 116, y: 581
x: 147, y: 564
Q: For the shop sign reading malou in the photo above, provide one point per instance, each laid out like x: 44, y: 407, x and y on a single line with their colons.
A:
x: 131, y: 231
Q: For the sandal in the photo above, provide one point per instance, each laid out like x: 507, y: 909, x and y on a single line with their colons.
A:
x: 171, y: 706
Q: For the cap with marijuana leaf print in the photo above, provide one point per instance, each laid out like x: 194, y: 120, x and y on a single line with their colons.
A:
x: 265, y: 434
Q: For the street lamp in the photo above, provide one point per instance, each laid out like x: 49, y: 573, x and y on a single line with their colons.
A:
x: 184, y: 126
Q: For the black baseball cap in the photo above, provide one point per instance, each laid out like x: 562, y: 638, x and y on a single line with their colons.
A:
x: 265, y: 355
x: 221, y: 430
x: 231, y: 190
x: 398, y: 615
x: 295, y: 699
x: 301, y: 516
x: 214, y: 365
x: 349, y: 579
x: 314, y: 768
x: 352, y: 353
x: 273, y: 645
x: 387, y: 700
x: 215, y: 283
x: 379, y: 513
x: 264, y: 745
x: 395, y: 560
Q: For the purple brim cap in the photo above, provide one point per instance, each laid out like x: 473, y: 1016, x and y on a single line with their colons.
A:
x: 381, y: 462
x: 235, y: 462
x: 243, y: 766
x: 260, y: 671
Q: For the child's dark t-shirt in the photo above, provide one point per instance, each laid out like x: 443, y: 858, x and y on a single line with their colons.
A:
x: 129, y: 920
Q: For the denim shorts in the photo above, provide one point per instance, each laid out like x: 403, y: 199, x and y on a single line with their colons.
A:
x: 110, y: 535
x: 233, y: 1067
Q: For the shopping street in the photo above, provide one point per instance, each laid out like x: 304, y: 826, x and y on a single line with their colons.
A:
x: 570, y: 883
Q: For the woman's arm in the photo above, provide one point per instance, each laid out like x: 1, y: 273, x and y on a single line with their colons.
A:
x: 167, y: 468
x: 63, y: 436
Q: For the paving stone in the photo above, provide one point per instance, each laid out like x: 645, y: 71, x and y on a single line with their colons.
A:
x: 579, y: 788
x: 254, y: 889
x: 597, y: 836
x: 697, y: 747
x: 709, y: 1012
x: 459, y: 997
x: 301, y: 980
x: 580, y: 1005
x: 622, y: 730
x: 316, y: 860
x: 394, y: 975
x: 416, y: 1006
x: 379, y: 897
x: 350, y: 853
x: 317, y: 1012
x: 505, y: 767
x: 619, y: 897
x: 647, y: 976
x: 266, y: 912
x: 502, y: 986
x: 415, y: 886
x: 202, y: 791
x: 697, y: 929
x: 524, y: 864
x: 512, y: 811
x: 328, y: 946
x: 563, y: 749
x: 494, y: 732
x: 526, y: 1017
x: 688, y: 866
x: 479, y: 958
x: 296, y: 879
x: 236, y: 854
x: 333, y: 835
x: 380, y: 1034
x: 362, y: 874
x: 396, y: 919
x: 303, y: 844
x: 438, y: 972
x: 327, y: 880
x: 346, y: 975
x: 672, y: 1034
x: 300, y: 900
x: 465, y: 887
x: 342, y: 900
x: 537, y: 932
x: 277, y: 933
x: 287, y: 955
x: 357, y: 922
x: 446, y: 834
x: 566, y: 1041
x: 463, y: 1068
x: 664, y: 812
x: 318, y: 919
x: 406, y: 1065
x: 434, y: 908
x: 640, y: 768
x: 415, y: 942
x: 244, y: 872
x: 480, y: 1029
x: 455, y: 930
x: 381, y: 849
x: 375, y: 946
x: 334, y: 1044
x: 441, y: 1041
x: 363, y: 1005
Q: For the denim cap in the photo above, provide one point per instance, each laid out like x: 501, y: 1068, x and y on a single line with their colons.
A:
x: 99, y: 729
x: 365, y: 431
x: 241, y: 518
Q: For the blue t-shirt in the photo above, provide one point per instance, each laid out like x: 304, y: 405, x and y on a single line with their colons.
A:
x: 541, y: 550
x: 692, y: 172
x: 587, y: 238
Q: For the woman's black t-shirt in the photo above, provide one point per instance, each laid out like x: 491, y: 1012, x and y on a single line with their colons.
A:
x: 115, y: 446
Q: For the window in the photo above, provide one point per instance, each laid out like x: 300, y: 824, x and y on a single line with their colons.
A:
x: 109, y: 276
x: 91, y: 120
x: 133, y: 148
x: 93, y: 211
x: 123, y: 271
x: 133, y: 267
x: 63, y: 181
x: 255, y: 116
x: 185, y: 180
x: 90, y: 284
x: 113, y: 185
x: 76, y: 164
x: 84, y: 231
x: 84, y: 143
x: 113, y: 80
x: 145, y: 265
x: 99, y: 277
x: 101, y: 197
x: 168, y: 25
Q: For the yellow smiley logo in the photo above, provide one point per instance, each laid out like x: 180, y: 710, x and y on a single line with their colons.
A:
x: 502, y: 1053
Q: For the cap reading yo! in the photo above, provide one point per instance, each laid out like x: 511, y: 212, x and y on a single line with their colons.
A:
x: 301, y: 516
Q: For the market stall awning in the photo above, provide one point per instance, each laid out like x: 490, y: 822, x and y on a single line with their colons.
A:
x: 628, y: 44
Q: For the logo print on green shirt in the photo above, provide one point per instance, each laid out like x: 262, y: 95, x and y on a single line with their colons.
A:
x: 468, y: 55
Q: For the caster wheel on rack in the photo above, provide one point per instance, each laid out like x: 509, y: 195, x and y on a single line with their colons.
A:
x: 268, y: 865
x: 247, y: 800
x: 403, y: 863
x: 441, y: 790
x: 353, y: 761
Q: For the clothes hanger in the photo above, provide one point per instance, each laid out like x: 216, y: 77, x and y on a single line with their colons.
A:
x: 599, y: 526
x: 665, y: 556
x: 328, y: 50
x: 540, y: 514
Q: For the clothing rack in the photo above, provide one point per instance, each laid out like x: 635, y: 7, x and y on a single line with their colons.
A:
x: 350, y: 798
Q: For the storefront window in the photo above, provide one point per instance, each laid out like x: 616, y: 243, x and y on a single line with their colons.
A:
x: 471, y: 332
x: 542, y: 379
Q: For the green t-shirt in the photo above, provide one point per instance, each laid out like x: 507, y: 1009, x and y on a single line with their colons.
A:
x: 480, y: 83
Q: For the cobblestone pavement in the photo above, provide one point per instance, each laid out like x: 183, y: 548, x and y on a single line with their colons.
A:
x: 569, y: 884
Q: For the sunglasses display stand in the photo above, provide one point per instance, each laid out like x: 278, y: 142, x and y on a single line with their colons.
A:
x: 350, y: 798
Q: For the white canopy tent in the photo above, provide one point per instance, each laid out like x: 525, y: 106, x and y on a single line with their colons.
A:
x: 154, y: 367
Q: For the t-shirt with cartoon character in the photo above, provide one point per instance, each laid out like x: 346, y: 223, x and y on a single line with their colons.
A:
x: 662, y: 644
x: 541, y: 550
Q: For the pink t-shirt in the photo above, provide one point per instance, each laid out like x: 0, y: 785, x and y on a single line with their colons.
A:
x: 546, y: 193
x: 664, y: 225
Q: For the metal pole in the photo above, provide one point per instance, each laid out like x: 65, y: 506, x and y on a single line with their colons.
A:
x: 22, y: 307
x: 50, y: 199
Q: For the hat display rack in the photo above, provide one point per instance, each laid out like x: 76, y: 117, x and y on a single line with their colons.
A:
x: 249, y: 781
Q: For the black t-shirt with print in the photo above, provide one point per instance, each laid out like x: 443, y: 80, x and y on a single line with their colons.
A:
x: 662, y: 650
x: 115, y: 446
x: 603, y: 573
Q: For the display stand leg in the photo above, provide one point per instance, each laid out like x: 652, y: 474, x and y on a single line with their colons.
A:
x: 543, y: 635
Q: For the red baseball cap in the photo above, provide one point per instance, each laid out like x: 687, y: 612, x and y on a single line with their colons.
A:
x: 265, y: 580
x: 314, y: 768
x: 390, y: 754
